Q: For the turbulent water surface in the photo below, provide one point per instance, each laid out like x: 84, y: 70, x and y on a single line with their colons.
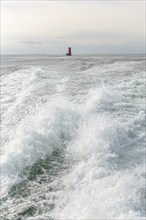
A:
x: 73, y: 137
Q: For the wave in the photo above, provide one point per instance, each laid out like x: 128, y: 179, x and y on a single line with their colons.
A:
x: 94, y: 146
x: 50, y: 129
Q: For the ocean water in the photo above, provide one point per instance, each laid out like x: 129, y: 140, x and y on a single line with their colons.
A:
x: 73, y: 137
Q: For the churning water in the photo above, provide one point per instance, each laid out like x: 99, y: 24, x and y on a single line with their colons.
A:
x: 73, y: 137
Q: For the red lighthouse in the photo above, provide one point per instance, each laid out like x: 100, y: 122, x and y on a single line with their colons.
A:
x: 69, y: 52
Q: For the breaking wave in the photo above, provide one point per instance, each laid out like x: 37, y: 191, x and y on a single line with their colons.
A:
x: 75, y: 155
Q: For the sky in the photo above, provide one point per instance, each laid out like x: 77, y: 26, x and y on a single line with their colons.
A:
x: 89, y: 27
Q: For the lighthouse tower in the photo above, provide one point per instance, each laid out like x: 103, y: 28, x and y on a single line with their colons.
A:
x: 69, y: 52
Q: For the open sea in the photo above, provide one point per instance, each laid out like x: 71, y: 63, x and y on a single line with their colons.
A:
x: 73, y: 137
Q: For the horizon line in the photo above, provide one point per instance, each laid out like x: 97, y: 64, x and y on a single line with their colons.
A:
x: 142, y: 53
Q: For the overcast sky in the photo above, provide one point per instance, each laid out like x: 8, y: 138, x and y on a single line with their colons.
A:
x: 89, y: 27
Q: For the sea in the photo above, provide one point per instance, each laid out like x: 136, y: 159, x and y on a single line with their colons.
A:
x: 73, y: 137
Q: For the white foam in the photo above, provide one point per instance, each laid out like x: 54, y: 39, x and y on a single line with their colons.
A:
x: 108, y: 180
x: 103, y: 136
x: 50, y: 128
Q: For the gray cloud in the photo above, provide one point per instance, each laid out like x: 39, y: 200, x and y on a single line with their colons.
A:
x: 33, y: 42
x: 57, y: 42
